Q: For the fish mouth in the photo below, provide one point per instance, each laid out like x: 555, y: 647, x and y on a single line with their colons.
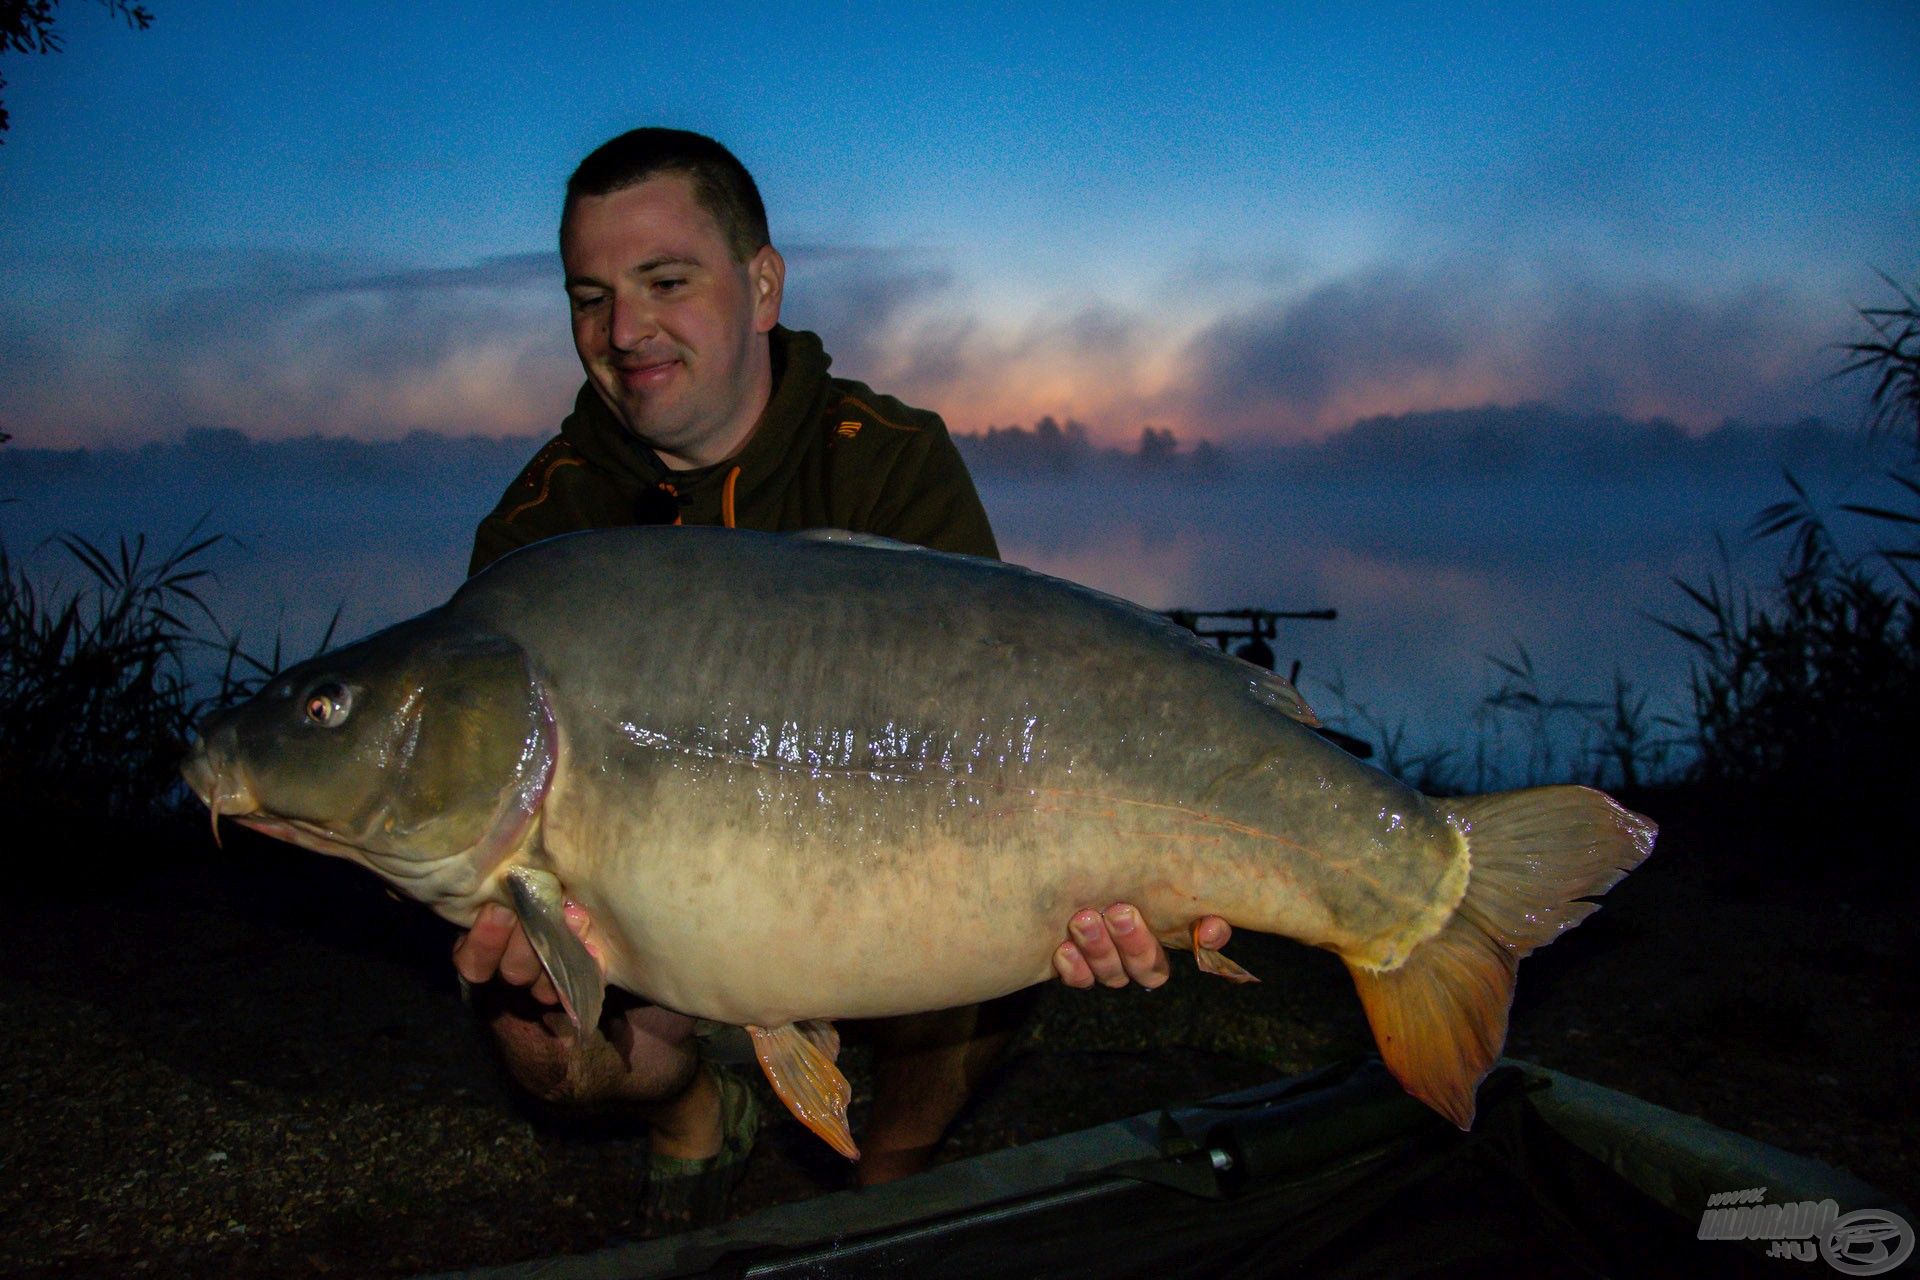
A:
x: 224, y: 789
x: 221, y: 786
x: 305, y: 835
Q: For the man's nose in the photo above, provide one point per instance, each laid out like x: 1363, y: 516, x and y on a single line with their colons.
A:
x: 633, y: 323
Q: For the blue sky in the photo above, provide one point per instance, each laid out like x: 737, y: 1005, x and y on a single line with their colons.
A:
x: 1246, y: 222
x: 1250, y: 224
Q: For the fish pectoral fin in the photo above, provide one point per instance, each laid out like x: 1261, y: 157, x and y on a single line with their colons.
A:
x: 540, y: 903
x: 798, y: 1059
x: 1216, y: 962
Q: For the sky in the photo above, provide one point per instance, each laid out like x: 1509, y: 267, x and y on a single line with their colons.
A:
x: 1252, y: 225
x: 1247, y: 223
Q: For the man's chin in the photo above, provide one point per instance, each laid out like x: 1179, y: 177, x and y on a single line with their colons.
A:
x: 645, y: 413
x: 652, y: 423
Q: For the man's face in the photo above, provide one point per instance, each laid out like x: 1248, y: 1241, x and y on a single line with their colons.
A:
x: 668, y: 325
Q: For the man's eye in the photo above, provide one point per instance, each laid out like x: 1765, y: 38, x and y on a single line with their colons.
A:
x: 670, y: 285
x: 585, y: 303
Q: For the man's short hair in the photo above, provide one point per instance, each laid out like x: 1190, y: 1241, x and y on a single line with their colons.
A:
x: 721, y: 183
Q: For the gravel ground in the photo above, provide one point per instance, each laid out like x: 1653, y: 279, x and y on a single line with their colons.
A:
x: 257, y: 1064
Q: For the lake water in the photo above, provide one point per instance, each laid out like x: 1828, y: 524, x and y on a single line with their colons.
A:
x: 1428, y: 577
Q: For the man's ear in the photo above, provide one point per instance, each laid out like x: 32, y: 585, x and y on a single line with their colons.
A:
x: 767, y: 278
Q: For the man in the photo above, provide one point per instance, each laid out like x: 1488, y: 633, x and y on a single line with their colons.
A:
x: 699, y: 408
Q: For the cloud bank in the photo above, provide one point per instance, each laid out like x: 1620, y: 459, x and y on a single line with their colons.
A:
x: 287, y: 346
x: 1394, y: 340
x: 293, y: 346
x: 1310, y: 359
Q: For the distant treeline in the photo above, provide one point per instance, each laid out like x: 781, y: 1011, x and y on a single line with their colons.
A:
x: 1471, y: 444
x: 234, y: 455
x: 1052, y: 447
x: 1534, y: 439
x: 1487, y: 443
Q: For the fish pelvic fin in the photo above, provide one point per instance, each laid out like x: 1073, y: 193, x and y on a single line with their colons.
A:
x: 540, y: 902
x: 1216, y: 962
x: 1535, y: 856
x: 798, y: 1059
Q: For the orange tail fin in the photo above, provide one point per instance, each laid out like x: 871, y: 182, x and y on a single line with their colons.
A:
x: 1441, y: 1017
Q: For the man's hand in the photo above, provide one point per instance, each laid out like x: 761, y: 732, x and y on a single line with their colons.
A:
x: 640, y: 1055
x: 497, y: 946
x: 1113, y: 947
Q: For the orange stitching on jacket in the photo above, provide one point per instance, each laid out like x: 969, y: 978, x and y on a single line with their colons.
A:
x: 870, y: 411
x: 726, y: 498
x: 546, y: 486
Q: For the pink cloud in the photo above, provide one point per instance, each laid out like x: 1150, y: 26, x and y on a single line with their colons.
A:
x: 290, y: 348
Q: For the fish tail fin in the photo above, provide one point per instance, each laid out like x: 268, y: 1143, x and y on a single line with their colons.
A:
x: 1440, y: 1017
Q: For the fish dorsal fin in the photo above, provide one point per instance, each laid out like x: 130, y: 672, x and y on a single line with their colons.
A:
x: 540, y: 903
x: 1278, y: 692
x: 848, y: 537
x: 798, y: 1059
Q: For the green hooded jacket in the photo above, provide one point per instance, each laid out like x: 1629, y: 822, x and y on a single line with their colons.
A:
x: 827, y: 453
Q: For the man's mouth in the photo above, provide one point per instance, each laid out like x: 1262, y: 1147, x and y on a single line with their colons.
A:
x: 646, y: 376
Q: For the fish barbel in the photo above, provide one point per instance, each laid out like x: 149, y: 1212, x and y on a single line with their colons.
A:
x: 890, y: 775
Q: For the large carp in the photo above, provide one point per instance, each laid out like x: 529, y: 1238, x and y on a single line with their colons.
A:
x: 892, y: 774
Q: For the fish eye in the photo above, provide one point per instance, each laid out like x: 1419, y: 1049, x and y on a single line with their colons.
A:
x: 328, y: 704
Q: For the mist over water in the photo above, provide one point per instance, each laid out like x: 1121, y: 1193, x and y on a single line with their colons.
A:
x: 1429, y: 572
x: 1427, y: 579
x: 379, y: 532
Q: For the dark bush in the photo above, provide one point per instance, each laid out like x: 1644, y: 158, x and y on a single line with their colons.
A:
x: 1806, y: 698
x: 96, y: 698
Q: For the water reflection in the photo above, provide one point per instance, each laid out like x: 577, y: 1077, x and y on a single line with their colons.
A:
x: 1428, y: 578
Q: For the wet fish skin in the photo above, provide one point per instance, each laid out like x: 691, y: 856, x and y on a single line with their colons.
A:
x: 892, y: 773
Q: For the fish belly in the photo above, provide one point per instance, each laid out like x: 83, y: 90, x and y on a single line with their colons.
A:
x: 766, y: 894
